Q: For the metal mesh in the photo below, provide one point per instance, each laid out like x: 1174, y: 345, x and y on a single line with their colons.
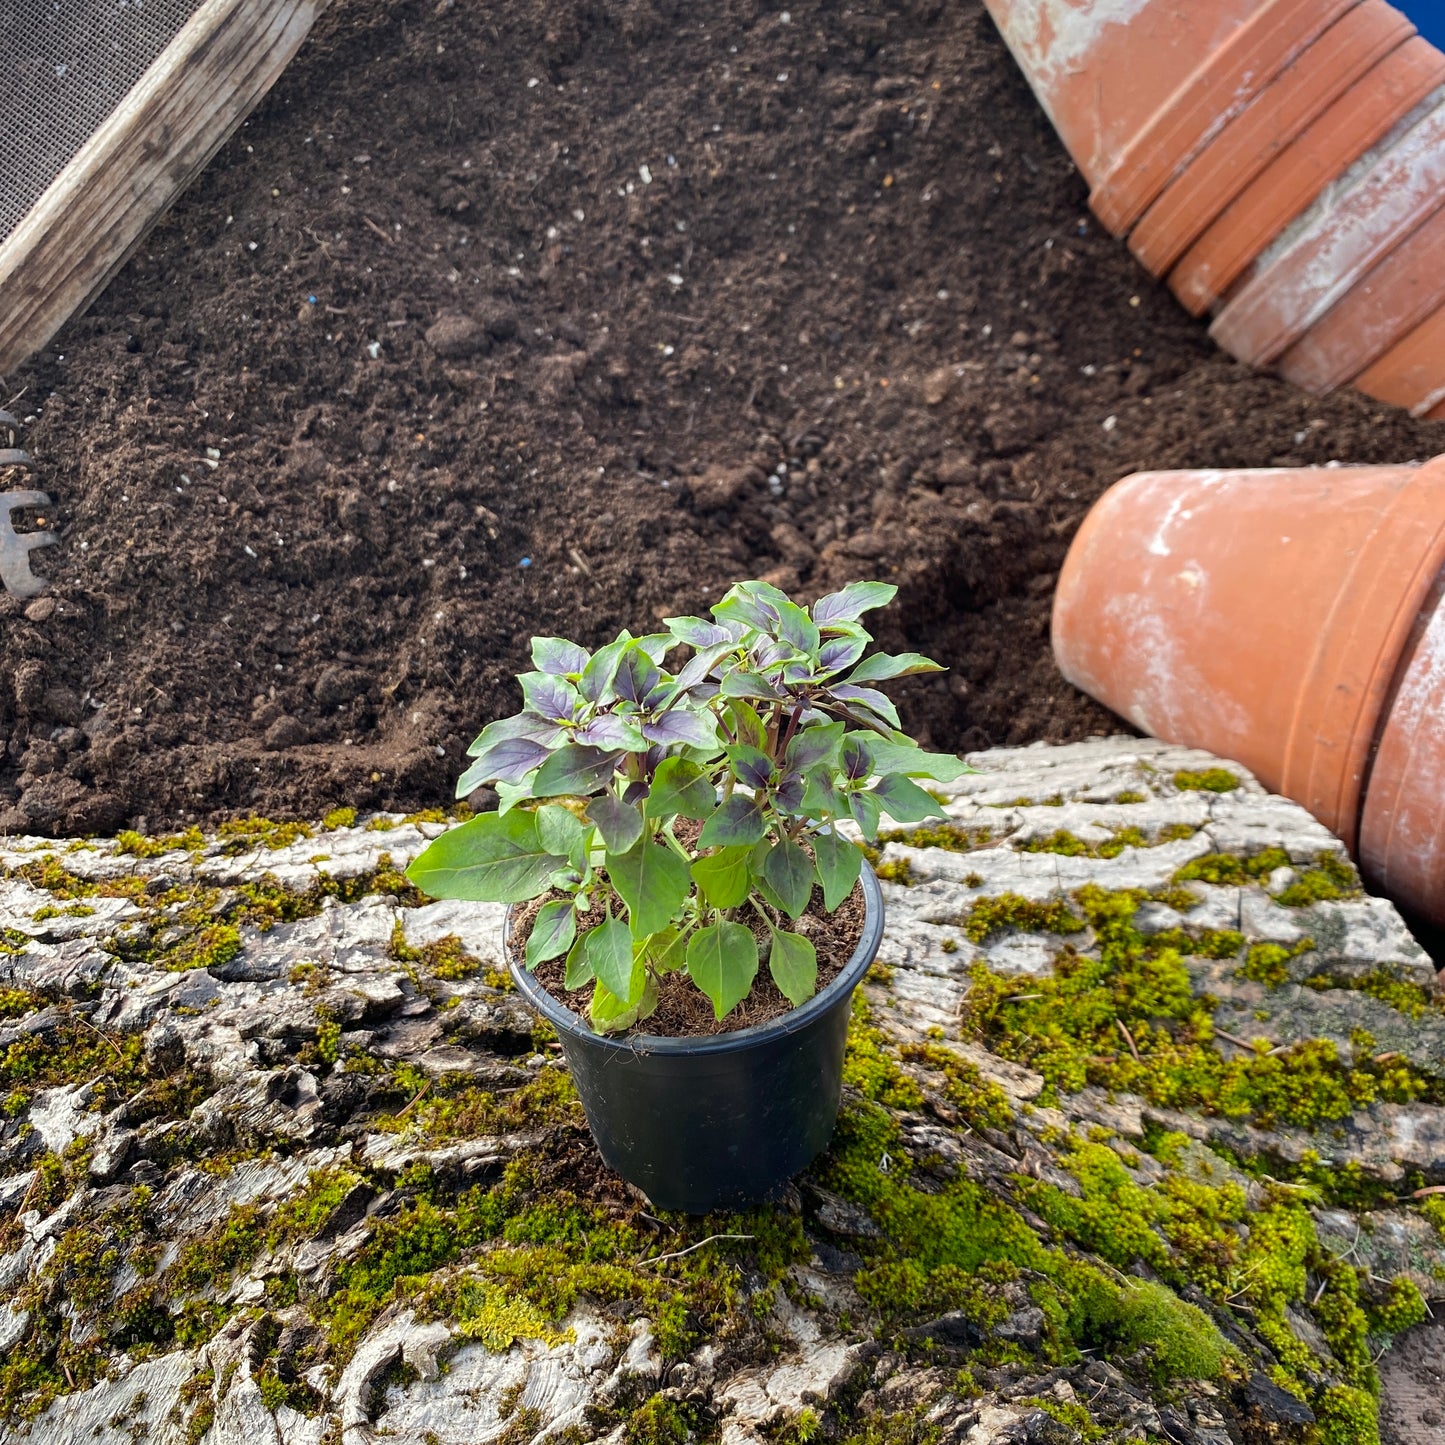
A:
x: 66, y: 65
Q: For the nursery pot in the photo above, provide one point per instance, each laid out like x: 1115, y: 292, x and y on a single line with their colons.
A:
x: 700, y: 1124
x: 1284, y: 619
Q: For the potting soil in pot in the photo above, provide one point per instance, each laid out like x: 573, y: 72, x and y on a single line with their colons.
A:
x: 683, y: 1010
x: 559, y: 319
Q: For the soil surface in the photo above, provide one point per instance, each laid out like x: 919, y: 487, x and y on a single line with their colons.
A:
x: 683, y: 1010
x: 557, y: 317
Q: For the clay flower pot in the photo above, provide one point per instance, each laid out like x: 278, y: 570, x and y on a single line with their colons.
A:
x: 1287, y: 619
x: 1278, y: 162
x: 718, y: 1122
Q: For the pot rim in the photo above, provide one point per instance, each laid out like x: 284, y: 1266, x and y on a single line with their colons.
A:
x: 565, y: 1020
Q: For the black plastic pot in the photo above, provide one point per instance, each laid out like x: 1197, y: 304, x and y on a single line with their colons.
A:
x: 699, y: 1124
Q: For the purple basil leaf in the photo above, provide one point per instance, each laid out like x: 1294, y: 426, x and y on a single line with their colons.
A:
x: 840, y: 652
x: 751, y: 765
x: 612, y: 730
x: 868, y: 697
x: 523, y: 725
x: 574, y: 770
x: 698, y: 631
x: 810, y: 746
x: 680, y: 729
x: 553, y: 697
x: 619, y: 823
x: 852, y: 602
x: 857, y: 758
x: 866, y: 812
x: 635, y: 792
x: 738, y: 821
x: 789, y: 793
x: 636, y: 677
x: 559, y: 657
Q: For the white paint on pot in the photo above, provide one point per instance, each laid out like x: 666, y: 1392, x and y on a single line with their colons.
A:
x: 1351, y: 227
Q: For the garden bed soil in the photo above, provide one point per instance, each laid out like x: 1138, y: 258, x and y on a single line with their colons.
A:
x: 683, y: 1010
x: 556, y: 317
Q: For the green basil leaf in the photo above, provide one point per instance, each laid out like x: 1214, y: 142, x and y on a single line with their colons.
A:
x: 724, y: 876
x: 852, y: 602
x: 681, y: 787
x: 492, y: 858
x: 722, y: 960
x: 904, y: 801
x: 900, y: 754
x: 737, y: 821
x: 666, y: 952
x: 610, y: 1014
x: 553, y: 932
x: 561, y: 832
x: 595, y: 684
x: 609, y: 951
x: 839, y: 864
x: 619, y: 823
x: 793, y: 963
x: 882, y: 666
x: 788, y: 872
x: 579, y: 965
x: 652, y: 881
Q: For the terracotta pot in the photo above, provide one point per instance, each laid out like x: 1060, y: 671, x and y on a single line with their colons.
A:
x: 1244, y: 146
x: 1265, y: 616
x: 1340, y: 244
x: 1402, y: 829
x: 1135, y: 87
x: 1275, y: 160
x: 1373, y: 335
x: 1359, y: 119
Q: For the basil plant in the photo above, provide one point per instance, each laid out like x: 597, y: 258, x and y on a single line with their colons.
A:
x: 661, y: 809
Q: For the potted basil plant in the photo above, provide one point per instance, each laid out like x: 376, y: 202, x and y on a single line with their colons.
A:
x: 669, y: 841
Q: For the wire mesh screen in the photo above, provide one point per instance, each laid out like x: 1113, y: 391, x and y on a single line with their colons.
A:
x: 68, y: 64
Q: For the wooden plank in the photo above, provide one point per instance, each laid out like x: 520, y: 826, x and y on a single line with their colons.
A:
x: 100, y: 207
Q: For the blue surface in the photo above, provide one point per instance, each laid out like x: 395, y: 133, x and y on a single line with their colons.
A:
x: 1429, y: 18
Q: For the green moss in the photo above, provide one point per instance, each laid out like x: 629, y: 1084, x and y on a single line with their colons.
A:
x: 1131, y: 795
x: 952, y: 837
x: 137, y: 845
x: 243, y: 835
x: 1347, y: 1416
x: 988, y: 916
x: 1268, y: 963
x: 1331, y: 877
x: 1072, y: 846
x: 17, y: 1002
x: 870, y: 1067
x: 1129, y: 1020
x: 896, y: 870
x: 1410, y: 999
x: 1210, y: 780
x: 660, y: 1421
x: 339, y: 818
x: 1434, y: 1210
x: 1184, y: 1342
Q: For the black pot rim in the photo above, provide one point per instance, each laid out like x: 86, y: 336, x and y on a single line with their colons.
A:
x: 565, y: 1020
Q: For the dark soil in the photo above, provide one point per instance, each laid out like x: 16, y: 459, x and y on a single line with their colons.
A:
x: 466, y: 375
x: 683, y: 1010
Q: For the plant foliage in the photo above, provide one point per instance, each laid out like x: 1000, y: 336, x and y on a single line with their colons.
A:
x: 767, y: 736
